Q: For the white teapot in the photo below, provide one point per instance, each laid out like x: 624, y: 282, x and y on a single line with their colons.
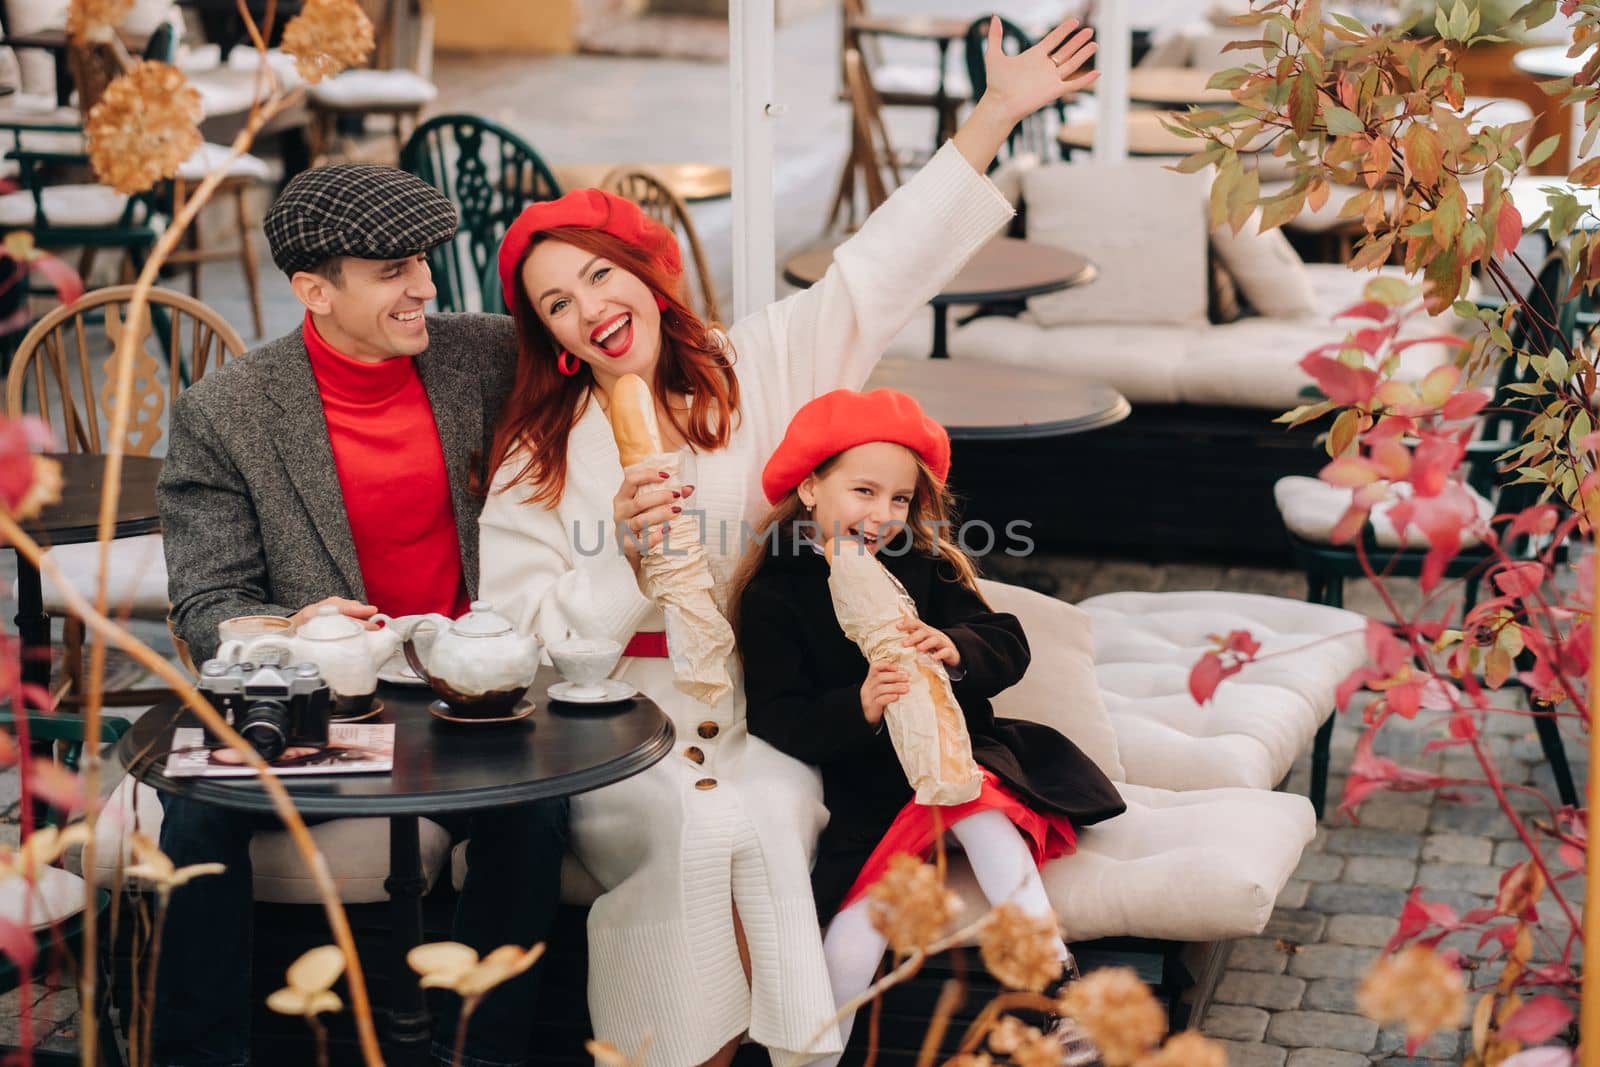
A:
x: 478, y: 664
x: 346, y: 652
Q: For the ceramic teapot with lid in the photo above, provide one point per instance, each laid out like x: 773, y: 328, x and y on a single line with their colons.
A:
x: 346, y: 653
x: 479, y: 665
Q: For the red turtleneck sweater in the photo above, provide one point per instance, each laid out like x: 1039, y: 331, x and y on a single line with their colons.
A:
x: 392, y: 473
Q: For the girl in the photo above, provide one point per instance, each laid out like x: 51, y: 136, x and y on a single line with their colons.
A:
x: 706, y: 930
x: 866, y: 472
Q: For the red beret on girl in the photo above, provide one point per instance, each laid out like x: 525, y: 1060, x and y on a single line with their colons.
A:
x: 589, y: 209
x: 838, y: 421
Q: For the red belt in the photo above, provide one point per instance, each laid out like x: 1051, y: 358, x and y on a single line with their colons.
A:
x: 649, y: 643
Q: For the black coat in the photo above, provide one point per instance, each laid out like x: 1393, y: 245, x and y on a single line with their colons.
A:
x: 803, y: 695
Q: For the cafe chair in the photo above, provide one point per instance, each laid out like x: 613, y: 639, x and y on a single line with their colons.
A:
x: 58, y: 374
x: 55, y: 909
x: 490, y: 174
x: 905, y: 85
x: 242, y: 177
x: 384, y: 89
x: 872, y: 169
x: 667, y: 208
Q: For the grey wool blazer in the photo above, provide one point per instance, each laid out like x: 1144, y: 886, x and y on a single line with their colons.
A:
x: 252, y: 515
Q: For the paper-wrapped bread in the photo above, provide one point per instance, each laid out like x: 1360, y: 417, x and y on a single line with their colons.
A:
x: 926, y: 726
x: 676, y: 576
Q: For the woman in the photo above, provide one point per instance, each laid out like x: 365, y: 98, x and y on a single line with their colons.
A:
x: 706, y: 930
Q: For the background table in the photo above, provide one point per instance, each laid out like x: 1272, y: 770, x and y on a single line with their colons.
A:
x: 1174, y: 87
x: 75, y: 520
x: 439, y: 768
x: 1004, y: 270
x: 1147, y: 136
x: 975, y: 400
x: 691, y: 181
x: 942, y: 30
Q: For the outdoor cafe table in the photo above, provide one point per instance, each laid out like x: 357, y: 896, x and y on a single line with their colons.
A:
x: 1007, y: 269
x: 440, y: 768
x: 689, y: 181
x: 74, y: 520
x: 976, y: 400
x: 1147, y: 136
x: 1174, y: 87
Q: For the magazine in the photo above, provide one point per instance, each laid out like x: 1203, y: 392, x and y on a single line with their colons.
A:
x: 353, y: 748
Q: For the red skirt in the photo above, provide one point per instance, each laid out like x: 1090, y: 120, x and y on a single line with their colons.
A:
x: 913, y: 830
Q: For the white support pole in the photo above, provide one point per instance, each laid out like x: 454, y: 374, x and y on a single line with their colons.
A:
x: 1112, y: 60
x: 750, y: 68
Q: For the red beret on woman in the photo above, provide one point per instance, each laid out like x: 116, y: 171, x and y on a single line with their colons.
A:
x: 838, y: 421
x: 587, y: 209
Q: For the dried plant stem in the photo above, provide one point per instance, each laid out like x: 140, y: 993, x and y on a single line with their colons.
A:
x: 1589, y: 1003
x: 950, y: 995
x: 282, y: 804
x: 906, y: 969
x: 163, y: 898
x: 320, y: 1034
x: 468, y: 1006
x: 990, y: 1015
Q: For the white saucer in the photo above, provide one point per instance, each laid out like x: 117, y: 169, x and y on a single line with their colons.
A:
x: 401, y: 675
x: 611, y: 691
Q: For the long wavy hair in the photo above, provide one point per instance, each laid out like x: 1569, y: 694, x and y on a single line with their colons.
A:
x: 538, y: 415
x: 932, y: 511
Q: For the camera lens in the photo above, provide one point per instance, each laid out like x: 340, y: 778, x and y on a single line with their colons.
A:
x: 266, y: 727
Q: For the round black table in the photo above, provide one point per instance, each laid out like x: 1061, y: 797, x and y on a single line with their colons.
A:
x: 439, y: 768
x: 975, y: 400
x: 74, y: 520
x: 1006, y: 270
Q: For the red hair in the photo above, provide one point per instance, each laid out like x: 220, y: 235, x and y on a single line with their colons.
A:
x: 543, y: 406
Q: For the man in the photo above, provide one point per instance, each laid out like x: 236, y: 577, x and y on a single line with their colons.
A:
x: 332, y: 466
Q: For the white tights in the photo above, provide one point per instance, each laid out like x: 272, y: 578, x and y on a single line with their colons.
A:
x: 1005, y: 870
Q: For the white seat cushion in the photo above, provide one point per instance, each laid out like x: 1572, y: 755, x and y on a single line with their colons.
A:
x: 24, y: 17
x: 920, y: 79
x: 1196, y: 866
x: 138, y: 575
x: 224, y: 92
x: 1311, y: 508
x: 357, y: 851
x: 1258, y: 722
x: 355, y: 89
x: 1060, y: 689
x: 1231, y: 851
x: 55, y: 896
x: 210, y: 156
x: 64, y: 205
x: 1251, y: 363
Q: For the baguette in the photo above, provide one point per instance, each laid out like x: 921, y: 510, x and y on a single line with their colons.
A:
x: 633, y: 420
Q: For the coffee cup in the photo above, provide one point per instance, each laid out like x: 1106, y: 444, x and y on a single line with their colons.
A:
x: 585, y: 662
x: 245, y: 627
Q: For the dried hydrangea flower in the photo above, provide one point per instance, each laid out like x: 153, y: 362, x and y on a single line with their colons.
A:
x: 1188, y: 1049
x: 1416, y: 987
x: 1009, y: 1035
x: 1116, y: 1008
x: 95, y: 20
x: 910, y: 905
x: 328, y: 36
x: 1038, y: 1050
x: 144, y: 127
x: 1020, y: 950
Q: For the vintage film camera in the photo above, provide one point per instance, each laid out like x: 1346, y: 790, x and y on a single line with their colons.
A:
x: 271, y: 703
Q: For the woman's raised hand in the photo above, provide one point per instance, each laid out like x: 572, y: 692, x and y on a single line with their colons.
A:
x: 1022, y: 84
x: 642, y: 513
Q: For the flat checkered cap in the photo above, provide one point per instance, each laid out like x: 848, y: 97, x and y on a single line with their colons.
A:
x: 356, y: 209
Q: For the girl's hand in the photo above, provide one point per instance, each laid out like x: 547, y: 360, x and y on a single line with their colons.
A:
x: 936, y: 643
x: 641, y: 514
x: 885, y: 684
x: 1022, y: 84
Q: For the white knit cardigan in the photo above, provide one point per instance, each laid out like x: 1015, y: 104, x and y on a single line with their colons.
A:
x: 677, y: 846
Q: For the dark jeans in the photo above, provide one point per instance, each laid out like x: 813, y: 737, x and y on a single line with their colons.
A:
x: 203, y: 1006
